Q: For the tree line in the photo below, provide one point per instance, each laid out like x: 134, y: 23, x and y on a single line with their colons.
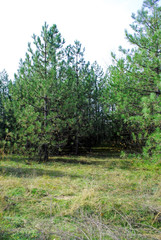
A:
x: 60, y: 101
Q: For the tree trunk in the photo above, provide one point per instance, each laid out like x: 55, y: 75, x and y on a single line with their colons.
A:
x: 46, y: 154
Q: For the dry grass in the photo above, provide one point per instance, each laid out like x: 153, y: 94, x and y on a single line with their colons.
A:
x: 93, y: 197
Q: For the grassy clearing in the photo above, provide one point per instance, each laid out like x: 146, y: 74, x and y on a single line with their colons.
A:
x: 85, y: 197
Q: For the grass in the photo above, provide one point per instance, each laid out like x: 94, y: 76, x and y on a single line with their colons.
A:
x: 85, y: 197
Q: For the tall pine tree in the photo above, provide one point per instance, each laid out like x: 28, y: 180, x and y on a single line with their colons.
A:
x: 36, y: 94
x: 136, y: 79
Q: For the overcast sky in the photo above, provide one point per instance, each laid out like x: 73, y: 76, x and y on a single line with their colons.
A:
x: 98, y: 24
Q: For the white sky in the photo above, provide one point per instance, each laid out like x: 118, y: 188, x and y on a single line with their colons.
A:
x: 98, y: 24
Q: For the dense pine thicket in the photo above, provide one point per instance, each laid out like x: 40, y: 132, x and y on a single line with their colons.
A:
x: 59, y: 101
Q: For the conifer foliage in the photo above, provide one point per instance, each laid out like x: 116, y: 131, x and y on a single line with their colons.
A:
x: 5, y: 116
x: 60, y: 102
x: 36, y: 95
x: 136, y: 80
x: 49, y: 97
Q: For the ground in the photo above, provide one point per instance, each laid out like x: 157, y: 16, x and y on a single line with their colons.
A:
x: 97, y: 196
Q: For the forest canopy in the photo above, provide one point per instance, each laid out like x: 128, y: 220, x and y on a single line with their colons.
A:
x: 58, y: 101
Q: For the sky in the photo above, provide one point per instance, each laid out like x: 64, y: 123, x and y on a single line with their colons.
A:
x: 98, y: 24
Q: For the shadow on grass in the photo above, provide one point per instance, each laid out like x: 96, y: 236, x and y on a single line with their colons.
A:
x: 105, y: 155
x: 101, y: 157
x: 109, y: 158
x: 121, y: 164
x: 71, y: 160
x: 108, y: 163
x: 101, y: 160
x: 6, y: 235
x: 32, y: 172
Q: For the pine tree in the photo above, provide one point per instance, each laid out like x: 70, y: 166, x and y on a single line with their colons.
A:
x: 147, y: 65
x: 136, y: 77
x: 5, y: 116
x: 36, y: 95
x: 77, y: 74
x: 84, y: 84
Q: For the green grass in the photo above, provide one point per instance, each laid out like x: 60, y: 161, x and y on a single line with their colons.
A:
x: 86, y: 197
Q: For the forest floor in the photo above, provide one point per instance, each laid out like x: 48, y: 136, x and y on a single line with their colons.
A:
x: 98, y: 196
